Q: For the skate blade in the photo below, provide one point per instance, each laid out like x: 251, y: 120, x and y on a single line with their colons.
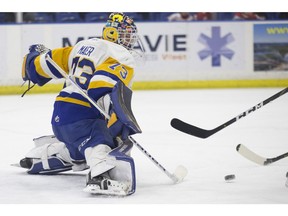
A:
x: 95, y: 190
x: 16, y: 165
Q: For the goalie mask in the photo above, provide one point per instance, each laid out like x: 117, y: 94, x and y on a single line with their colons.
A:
x: 121, y: 29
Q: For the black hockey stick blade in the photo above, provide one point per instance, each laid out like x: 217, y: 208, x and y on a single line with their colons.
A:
x: 190, y: 129
x: 203, y: 133
x: 252, y: 156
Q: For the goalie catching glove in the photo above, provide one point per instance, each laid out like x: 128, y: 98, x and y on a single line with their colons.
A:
x: 122, y: 121
x: 28, y: 69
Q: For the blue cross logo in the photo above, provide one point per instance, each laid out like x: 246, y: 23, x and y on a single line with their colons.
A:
x: 216, y: 46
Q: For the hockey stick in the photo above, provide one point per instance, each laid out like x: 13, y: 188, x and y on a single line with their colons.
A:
x: 252, y: 156
x: 180, y: 171
x: 203, y: 133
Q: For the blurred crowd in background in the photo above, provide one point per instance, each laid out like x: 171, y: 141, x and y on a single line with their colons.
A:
x: 65, y: 17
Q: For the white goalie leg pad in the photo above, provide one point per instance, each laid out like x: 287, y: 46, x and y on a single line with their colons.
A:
x: 49, y: 145
x: 115, y: 166
x: 49, y: 139
x: 96, y: 158
x: 45, y: 151
x: 124, y: 170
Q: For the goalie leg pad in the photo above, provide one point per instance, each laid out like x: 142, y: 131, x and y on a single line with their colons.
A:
x: 48, y: 139
x: 48, y: 158
x: 55, y: 164
x: 96, y: 158
x: 113, y: 172
x: 124, y: 170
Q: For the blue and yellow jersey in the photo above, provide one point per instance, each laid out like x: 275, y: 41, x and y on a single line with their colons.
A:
x: 96, y: 65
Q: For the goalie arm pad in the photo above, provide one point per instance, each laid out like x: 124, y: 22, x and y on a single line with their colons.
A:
x: 122, y: 121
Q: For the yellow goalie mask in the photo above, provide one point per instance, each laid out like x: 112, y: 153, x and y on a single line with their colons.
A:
x: 121, y: 29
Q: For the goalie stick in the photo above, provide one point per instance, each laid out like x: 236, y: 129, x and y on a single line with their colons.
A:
x: 180, y: 171
x: 252, y: 156
x: 203, y: 133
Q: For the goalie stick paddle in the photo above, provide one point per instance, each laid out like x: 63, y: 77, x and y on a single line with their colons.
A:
x: 252, y: 156
x: 203, y: 133
x: 180, y: 171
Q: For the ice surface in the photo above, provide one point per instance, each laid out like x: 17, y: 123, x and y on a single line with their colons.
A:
x: 208, y: 160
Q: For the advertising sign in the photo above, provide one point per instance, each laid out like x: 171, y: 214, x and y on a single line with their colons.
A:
x: 271, y: 47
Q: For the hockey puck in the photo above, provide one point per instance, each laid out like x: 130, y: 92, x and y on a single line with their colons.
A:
x: 229, y: 177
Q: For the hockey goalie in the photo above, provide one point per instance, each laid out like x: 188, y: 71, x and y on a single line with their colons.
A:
x: 83, y: 138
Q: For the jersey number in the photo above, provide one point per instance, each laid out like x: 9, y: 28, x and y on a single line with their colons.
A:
x: 122, y: 70
x: 82, y: 70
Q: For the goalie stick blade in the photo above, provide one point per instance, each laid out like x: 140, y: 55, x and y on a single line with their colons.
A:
x: 190, y: 129
x: 180, y: 173
x: 250, y: 155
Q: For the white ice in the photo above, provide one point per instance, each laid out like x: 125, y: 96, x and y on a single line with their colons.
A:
x: 207, y: 160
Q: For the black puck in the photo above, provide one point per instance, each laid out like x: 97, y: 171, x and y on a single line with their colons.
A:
x: 229, y: 177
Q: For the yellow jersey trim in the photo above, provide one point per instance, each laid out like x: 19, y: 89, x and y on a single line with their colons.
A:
x: 74, y: 101
x: 100, y: 84
x: 24, y: 66
x: 39, y: 69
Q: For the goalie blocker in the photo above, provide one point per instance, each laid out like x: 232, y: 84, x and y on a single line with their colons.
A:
x: 122, y: 121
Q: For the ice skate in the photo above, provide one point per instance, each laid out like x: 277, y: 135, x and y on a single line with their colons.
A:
x: 102, y: 185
